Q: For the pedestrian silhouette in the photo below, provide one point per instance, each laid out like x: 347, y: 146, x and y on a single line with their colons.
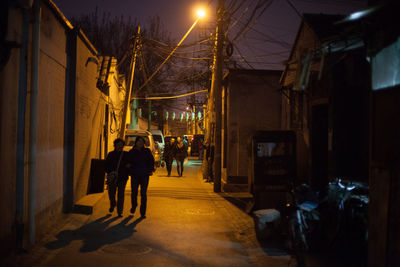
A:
x: 142, y: 167
x: 169, y: 155
x: 180, y: 153
x: 116, y: 167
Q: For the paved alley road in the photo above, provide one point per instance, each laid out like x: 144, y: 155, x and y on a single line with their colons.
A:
x: 187, y: 224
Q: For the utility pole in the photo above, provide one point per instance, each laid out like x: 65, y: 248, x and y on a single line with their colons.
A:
x: 130, y: 88
x: 149, y: 119
x: 144, y: 72
x: 216, y: 92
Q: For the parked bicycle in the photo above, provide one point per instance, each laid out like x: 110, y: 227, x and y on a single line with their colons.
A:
x: 303, y: 219
x: 348, y: 202
x: 337, y: 219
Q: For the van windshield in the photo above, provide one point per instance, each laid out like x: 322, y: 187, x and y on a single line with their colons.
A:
x: 157, y: 138
x: 130, y: 140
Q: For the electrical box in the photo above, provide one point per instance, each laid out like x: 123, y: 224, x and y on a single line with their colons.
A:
x: 272, y: 166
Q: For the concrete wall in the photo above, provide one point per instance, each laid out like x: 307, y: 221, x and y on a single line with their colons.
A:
x: 175, y: 127
x: 115, y: 101
x: 89, y: 116
x: 8, y: 128
x: 252, y: 101
x: 54, y: 85
x: 384, y: 216
x: 295, y: 104
x: 50, y: 124
x: 144, y: 124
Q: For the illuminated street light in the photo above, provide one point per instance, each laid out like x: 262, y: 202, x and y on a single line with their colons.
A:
x: 201, y: 13
x: 200, y: 16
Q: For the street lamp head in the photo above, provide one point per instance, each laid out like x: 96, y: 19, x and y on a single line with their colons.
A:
x: 201, y: 13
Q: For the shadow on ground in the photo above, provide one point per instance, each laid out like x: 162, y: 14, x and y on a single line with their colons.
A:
x: 96, y: 234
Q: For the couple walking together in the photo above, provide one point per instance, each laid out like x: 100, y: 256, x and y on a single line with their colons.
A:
x: 139, y: 164
x: 177, y: 151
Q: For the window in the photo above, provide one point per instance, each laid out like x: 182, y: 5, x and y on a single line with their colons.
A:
x: 386, y: 67
x: 157, y: 138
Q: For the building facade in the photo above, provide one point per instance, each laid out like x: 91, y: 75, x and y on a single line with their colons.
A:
x: 46, y: 173
x: 251, y: 101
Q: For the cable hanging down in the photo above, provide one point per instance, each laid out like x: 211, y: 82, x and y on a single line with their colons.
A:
x: 171, y: 97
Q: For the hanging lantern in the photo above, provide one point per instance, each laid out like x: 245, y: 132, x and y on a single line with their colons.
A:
x: 199, y: 115
x: 192, y: 116
x: 173, y: 115
x: 187, y: 116
x: 181, y: 116
x: 166, y: 115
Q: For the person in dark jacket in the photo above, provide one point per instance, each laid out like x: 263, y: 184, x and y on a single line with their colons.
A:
x: 142, y: 166
x: 169, y: 154
x: 116, y: 167
x: 180, y: 153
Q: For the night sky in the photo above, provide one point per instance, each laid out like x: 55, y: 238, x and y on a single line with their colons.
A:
x: 279, y: 22
x: 265, y: 46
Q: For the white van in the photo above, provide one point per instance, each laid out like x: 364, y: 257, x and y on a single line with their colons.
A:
x: 130, y: 138
x: 159, y: 138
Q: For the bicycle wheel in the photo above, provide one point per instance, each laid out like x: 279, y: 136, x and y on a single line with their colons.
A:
x: 298, y: 241
x: 298, y: 237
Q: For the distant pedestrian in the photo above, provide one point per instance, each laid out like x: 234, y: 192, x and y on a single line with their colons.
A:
x: 180, y: 153
x: 116, y: 167
x: 186, y: 142
x: 201, y: 148
x: 169, y: 150
x: 142, y: 167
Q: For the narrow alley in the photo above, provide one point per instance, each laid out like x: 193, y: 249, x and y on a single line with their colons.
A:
x: 187, y: 224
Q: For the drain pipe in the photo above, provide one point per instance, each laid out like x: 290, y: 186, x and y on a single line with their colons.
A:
x: 20, y: 153
x: 33, y: 119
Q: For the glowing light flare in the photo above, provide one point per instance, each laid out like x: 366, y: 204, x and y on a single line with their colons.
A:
x: 201, y: 13
x: 360, y: 14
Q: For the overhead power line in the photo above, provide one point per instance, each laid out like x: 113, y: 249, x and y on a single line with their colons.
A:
x: 171, y: 97
x: 252, y: 19
x: 166, y: 59
x: 294, y: 8
x: 182, y: 46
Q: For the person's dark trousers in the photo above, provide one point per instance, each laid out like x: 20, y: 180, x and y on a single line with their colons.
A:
x: 112, y: 190
x: 143, y: 182
x: 169, y: 165
x: 179, y: 164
